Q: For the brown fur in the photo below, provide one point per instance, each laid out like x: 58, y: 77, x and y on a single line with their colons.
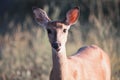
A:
x: 89, y: 63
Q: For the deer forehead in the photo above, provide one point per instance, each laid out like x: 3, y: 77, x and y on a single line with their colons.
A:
x: 57, y: 25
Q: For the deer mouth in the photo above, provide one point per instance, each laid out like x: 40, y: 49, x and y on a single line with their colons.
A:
x: 58, y: 49
x: 56, y: 46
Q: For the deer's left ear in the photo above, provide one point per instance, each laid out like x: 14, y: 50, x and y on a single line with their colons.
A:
x: 40, y: 16
x: 72, y: 16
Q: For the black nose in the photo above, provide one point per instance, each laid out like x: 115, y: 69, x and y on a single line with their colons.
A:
x: 56, y: 45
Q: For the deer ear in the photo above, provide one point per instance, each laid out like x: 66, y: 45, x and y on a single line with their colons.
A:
x: 72, y: 15
x: 40, y: 16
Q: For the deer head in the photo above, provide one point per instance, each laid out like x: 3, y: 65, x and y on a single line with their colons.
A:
x: 57, y: 30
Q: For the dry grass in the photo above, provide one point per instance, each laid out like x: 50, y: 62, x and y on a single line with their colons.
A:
x: 26, y: 55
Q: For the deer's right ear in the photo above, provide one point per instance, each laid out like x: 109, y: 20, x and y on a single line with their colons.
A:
x: 72, y: 15
x: 40, y: 16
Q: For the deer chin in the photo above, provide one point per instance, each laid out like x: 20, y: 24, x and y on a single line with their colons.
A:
x: 57, y: 50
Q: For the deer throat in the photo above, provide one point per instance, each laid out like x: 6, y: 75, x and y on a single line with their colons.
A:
x: 60, y: 64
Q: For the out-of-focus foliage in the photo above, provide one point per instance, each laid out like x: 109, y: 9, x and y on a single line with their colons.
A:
x: 25, y: 53
x: 19, y: 9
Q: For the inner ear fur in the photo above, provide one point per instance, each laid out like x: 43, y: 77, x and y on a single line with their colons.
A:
x: 40, y: 16
x: 72, y: 15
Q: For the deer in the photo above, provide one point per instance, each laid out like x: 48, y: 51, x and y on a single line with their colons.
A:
x: 88, y: 63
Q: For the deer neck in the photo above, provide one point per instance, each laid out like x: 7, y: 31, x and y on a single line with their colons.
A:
x: 60, y: 64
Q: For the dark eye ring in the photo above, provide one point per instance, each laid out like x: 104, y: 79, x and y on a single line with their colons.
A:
x: 64, y: 30
x: 49, y: 31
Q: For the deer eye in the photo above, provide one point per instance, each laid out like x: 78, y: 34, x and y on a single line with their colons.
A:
x: 49, y: 31
x: 64, y: 30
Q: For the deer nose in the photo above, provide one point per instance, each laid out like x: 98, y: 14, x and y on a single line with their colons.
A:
x: 56, y: 45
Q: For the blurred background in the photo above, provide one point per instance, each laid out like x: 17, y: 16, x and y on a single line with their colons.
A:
x: 25, y: 53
